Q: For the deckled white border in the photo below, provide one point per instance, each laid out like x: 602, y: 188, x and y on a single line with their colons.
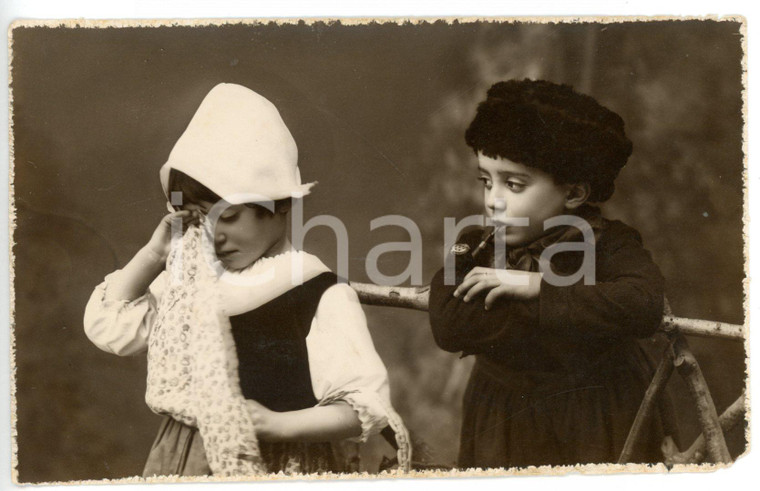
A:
x: 536, y: 7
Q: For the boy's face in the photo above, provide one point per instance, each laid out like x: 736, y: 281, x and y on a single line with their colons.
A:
x: 242, y: 234
x: 513, y: 190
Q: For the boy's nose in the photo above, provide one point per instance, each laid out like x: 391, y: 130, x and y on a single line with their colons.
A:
x: 495, y: 203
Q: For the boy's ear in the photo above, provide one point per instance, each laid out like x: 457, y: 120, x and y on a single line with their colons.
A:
x: 577, y: 194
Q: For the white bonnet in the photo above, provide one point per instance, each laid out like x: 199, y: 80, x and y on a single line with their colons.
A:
x: 238, y: 146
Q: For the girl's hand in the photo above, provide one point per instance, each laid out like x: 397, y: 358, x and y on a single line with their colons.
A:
x: 269, y: 424
x: 160, y: 242
x: 502, y: 283
x: 147, y: 264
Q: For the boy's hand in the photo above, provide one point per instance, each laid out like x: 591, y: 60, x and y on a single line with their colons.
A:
x: 160, y: 242
x: 502, y: 283
x: 269, y: 424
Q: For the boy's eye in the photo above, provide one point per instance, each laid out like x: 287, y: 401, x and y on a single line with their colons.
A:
x: 486, y: 182
x: 514, y: 185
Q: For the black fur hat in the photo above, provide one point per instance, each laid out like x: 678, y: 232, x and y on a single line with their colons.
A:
x: 553, y: 128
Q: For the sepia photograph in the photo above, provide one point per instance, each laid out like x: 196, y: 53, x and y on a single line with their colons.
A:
x: 252, y: 249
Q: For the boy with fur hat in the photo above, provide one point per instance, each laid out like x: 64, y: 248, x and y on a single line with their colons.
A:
x: 559, y: 375
x: 257, y: 357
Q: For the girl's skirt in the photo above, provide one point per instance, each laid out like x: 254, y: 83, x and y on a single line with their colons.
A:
x: 178, y: 451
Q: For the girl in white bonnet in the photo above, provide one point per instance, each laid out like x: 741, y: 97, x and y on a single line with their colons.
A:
x: 258, y: 358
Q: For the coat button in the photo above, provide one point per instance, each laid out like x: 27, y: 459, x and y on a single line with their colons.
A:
x: 460, y: 249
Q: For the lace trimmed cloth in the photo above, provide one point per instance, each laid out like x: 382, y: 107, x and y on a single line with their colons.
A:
x: 193, y: 366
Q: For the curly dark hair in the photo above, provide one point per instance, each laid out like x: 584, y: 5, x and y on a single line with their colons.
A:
x: 555, y: 129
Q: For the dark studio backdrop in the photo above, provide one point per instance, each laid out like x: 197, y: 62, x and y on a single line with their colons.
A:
x: 378, y: 112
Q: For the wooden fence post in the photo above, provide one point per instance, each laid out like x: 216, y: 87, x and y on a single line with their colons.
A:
x: 651, y: 397
x: 689, y: 369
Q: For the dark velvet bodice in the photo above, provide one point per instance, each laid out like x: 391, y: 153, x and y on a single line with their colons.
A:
x: 271, y: 347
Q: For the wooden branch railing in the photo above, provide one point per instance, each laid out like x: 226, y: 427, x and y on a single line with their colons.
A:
x: 699, y: 327
x: 730, y: 418
x: 407, y: 297
x: 711, y: 444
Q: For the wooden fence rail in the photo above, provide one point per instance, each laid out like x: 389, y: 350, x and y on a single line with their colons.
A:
x: 711, y: 444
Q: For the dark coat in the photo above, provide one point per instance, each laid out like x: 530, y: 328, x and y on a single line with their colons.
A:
x: 558, y: 379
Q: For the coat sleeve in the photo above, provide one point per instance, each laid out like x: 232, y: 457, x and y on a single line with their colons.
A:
x: 627, y: 299
x: 122, y: 327
x: 468, y: 327
x: 343, y: 362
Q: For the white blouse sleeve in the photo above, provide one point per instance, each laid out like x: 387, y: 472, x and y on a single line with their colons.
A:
x: 343, y: 362
x: 122, y: 327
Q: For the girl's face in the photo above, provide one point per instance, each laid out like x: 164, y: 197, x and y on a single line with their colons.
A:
x: 513, y: 190
x: 243, y: 234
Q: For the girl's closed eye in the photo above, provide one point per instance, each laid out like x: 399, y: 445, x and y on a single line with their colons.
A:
x: 229, y: 215
x: 515, y: 186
